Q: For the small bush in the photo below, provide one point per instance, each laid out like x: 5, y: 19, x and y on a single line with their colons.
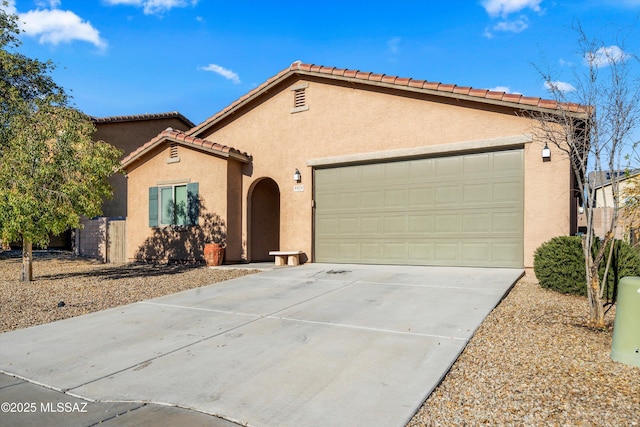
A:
x: 559, y: 265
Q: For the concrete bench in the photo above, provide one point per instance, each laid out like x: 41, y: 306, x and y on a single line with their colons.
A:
x: 291, y: 257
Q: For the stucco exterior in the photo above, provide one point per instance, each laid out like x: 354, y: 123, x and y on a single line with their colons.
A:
x: 346, y: 120
x: 128, y: 133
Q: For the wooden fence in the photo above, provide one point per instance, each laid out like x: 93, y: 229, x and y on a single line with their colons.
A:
x: 102, y: 238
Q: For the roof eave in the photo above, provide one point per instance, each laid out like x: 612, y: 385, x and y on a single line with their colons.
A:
x: 138, y: 155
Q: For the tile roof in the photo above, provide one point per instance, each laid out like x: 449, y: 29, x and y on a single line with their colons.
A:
x: 141, y: 117
x: 171, y: 135
x: 435, y: 88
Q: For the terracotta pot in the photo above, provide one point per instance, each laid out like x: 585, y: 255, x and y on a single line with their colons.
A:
x: 213, y: 253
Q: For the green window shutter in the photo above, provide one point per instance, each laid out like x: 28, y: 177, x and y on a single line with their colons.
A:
x: 193, y: 203
x: 153, y: 206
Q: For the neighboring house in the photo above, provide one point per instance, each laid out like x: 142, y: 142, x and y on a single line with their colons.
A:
x: 603, y: 204
x: 354, y: 167
x: 126, y: 133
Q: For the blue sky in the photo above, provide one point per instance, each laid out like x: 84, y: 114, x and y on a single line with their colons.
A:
x: 123, y: 57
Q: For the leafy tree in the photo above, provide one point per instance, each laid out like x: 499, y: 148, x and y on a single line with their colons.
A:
x: 594, y: 126
x: 51, y: 172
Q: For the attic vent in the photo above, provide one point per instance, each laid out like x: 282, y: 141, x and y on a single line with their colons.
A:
x: 299, y: 98
x: 173, y: 153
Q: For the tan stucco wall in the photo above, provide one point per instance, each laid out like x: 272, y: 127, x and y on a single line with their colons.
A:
x: 343, y: 120
x: 211, y: 174
x: 127, y: 136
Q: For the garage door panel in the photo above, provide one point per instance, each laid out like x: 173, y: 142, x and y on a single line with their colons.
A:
x: 477, y: 165
x: 396, y: 198
x: 475, y: 251
x: 509, y: 192
x: 421, y: 223
x: 458, y: 210
x: 420, y: 169
x: 507, y: 163
x: 421, y: 197
x: 447, y: 167
x: 477, y: 222
x: 395, y: 251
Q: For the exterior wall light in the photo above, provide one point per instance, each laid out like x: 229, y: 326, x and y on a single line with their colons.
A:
x: 297, y: 177
x: 546, y: 153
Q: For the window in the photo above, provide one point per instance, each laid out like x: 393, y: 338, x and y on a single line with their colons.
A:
x: 174, y: 205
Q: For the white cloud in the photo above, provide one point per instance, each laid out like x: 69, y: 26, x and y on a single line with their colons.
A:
x: 515, y: 26
x: 48, y: 4
x: 504, y: 89
x: 393, y: 44
x: 154, y: 7
x: 227, y: 74
x: 9, y: 8
x: 59, y: 26
x: 559, y: 86
x: 504, y: 8
x: 605, y: 56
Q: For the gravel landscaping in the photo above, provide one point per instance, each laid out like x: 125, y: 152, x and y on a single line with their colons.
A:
x: 532, y: 362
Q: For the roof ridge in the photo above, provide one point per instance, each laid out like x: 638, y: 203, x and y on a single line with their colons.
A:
x: 145, y: 116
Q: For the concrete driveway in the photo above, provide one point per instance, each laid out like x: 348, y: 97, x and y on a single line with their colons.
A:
x: 319, y: 344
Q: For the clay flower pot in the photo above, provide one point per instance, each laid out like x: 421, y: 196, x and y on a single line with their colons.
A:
x: 213, y: 254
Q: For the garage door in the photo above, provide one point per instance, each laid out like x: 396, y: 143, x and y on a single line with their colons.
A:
x: 464, y: 210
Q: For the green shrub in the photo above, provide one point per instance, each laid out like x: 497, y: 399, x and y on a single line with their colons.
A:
x: 559, y: 265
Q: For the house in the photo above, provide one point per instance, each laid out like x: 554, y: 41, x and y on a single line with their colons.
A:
x: 627, y: 222
x: 355, y: 167
x: 126, y: 133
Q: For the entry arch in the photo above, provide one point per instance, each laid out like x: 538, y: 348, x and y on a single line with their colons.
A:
x: 264, y: 219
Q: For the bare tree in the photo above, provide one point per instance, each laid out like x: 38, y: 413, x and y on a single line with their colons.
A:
x: 594, y: 123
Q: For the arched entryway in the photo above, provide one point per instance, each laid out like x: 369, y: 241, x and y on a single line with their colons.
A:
x: 264, y: 232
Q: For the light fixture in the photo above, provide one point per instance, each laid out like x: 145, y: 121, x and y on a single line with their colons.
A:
x: 297, y: 177
x: 546, y: 153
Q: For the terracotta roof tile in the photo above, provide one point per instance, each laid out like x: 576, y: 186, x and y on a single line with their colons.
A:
x: 492, y: 94
x: 417, y: 83
x: 511, y: 97
x: 389, y: 79
x: 376, y: 77
x: 363, y: 75
x: 170, y: 134
x: 478, y: 92
x: 529, y: 100
x: 446, y: 87
x: 548, y: 103
x: 350, y: 73
x: 338, y: 71
x: 463, y: 90
x: 403, y: 81
x: 141, y: 117
x: 431, y: 85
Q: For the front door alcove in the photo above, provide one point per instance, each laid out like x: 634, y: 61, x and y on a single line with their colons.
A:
x: 264, y: 232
